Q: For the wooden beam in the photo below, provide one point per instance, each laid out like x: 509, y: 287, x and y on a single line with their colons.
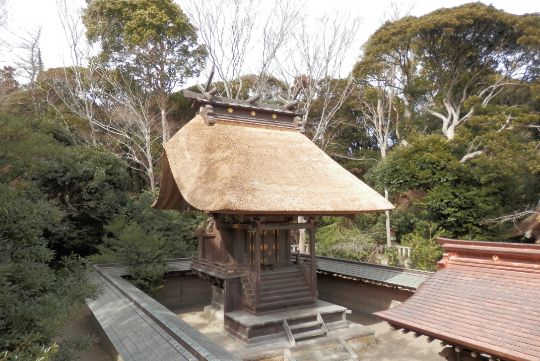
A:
x: 291, y: 105
x: 284, y: 226
x: 253, y: 99
x: 210, y: 77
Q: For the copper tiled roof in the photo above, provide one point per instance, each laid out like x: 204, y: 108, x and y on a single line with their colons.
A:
x: 484, y: 298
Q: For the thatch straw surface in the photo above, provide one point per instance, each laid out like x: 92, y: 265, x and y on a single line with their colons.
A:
x: 239, y: 168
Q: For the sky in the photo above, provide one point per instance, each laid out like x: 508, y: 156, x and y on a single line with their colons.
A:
x: 27, y: 15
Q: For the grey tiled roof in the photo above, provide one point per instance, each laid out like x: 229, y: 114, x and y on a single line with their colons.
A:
x: 140, y: 328
x: 173, y: 265
x: 391, y: 276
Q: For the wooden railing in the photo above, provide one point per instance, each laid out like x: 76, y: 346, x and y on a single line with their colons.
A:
x: 219, y: 268
x: 304, y: 265
x: 250, y: 276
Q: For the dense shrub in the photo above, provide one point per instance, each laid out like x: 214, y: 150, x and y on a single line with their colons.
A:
x: 342, y: 238
x: 143, y: 238
x: 425, y: 251
x: 88, y: 185
x: 37, y: 293
x: 458, y: 196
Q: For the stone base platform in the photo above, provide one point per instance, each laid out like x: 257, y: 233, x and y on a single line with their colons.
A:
x: 292, y: 326
x: 342, y: 344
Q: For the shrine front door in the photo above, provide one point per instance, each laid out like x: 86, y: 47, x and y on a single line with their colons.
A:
x: 274, y: 248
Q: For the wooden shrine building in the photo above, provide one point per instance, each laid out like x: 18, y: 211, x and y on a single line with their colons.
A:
x: 249, y: 167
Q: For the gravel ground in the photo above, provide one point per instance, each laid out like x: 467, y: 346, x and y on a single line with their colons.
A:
x: 81, y: 325
x: 391, y: 345
x: 394, y: 345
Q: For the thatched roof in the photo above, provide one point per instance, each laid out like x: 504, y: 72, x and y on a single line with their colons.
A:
x: 235, y: 167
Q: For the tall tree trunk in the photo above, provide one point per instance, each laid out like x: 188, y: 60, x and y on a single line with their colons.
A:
x: 164, y: 124
x: 149, y: 158
x: 387, y: 214
x: 151, y: 178
x: 93, y: 132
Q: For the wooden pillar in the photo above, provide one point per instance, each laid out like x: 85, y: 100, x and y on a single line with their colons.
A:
x: 200, y: 244
x: 257, y: 262
x: 232, y: 294
x: 312, y: 262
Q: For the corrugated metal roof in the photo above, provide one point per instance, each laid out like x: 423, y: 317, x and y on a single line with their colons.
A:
x: 486, y: 298
x: 390, y: 276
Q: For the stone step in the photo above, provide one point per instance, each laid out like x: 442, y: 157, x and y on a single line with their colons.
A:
x: 309, y: 334
x: 298, y: 328
x: 300, y: 320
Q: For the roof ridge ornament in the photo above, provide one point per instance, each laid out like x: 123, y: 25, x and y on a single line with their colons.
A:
x: 215, y: 108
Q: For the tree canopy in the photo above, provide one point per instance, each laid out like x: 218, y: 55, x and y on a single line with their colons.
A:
x: 441, y: 110
x: 151, y: 40
x: 453, y: 61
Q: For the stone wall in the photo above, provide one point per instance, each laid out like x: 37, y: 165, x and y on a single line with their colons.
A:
x: 183, y: 290
x: 359, y: 296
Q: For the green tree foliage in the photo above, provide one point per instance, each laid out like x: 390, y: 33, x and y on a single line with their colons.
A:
x: 87, y: 184
x: 427, y: 162
x: 345, y: 238
x: 425, y: 251
x: 143, y: 238
x: 392, y: 256
x: 458, y: 196
x: 475, y: 70
x: 37, y: 294
x: 445, y: 58
x: 151, y: 40
x: 91, y: 186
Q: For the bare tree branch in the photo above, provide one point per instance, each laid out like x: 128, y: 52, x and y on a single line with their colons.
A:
x: 312, y: 67
x: 235, y: 30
